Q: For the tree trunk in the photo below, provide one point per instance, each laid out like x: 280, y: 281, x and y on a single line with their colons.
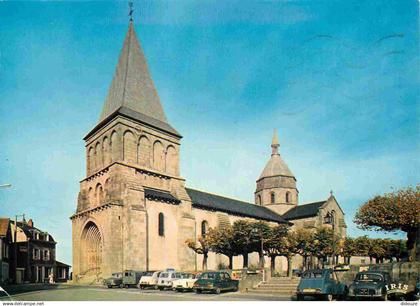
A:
x: 412, y: 240
x: 348, y: 260
x: 245, y: 256
x: 260, y: 260
x: 272, y: 265
x: 370, y: 259
x: 289, y: 266
x: 230, y: 262
x: 205, y: 256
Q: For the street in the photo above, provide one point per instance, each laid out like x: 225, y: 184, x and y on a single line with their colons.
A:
x: 86, y: 293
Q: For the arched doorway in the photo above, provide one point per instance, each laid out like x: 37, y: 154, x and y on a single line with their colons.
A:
x: 91, y: 249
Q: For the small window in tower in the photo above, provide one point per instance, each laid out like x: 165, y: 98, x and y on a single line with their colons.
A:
x: 273, y: 198
x: 259, y: 200
x: 287, y: 197
x: 204, y: 228
x: 161, y: 225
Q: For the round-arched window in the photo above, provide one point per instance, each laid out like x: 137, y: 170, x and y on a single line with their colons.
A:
x: 204, y: 228
x: 273, y: 198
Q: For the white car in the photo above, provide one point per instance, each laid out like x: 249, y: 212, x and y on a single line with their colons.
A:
x: 165, y: 280
x: 149, y: 280
x: 185, y: 282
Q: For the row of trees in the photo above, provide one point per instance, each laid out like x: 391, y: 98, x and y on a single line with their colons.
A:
x: 244, y: 237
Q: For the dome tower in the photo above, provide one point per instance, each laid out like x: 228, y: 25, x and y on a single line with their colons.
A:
x: 276, y: 186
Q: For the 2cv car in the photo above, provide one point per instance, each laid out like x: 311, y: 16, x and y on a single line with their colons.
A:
x: 114, y: 281
x: 215, y: 282
x: 320, y: 283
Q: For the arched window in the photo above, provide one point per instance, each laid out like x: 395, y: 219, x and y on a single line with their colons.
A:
x: 158, y: 156
x: 258, y: 199
x: 161, y: 225
x: 288, y: 197
x: 273, y: 198
x: 204, y: 228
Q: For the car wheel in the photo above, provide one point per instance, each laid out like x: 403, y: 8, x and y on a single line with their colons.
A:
x: 121, y: 285
x: 235, y: 289
x: 385, y: 297
x: 300, y: 297
x: 198, y: 291
x: 156, y: 287
x: 217, y: 291
x: 109, y: 286
x: 161, y: 288
x: 329, y: 297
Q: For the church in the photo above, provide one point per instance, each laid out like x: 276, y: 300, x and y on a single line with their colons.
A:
x: 134, y: 209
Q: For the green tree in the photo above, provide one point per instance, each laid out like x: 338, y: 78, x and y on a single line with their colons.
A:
x: 304, y: 241
x: 362, y: 246
x: 244, y: 239
x: 377, y: 250
x: 221, y: 241
x: 349, y: 249
x: 202, y: 247
x: 278, y: 244
x: 260, y: 233
x: 326, y: 244
x: 398, y: 210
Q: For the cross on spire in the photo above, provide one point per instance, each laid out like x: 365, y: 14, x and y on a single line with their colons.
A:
x: 131, y: 10
x: 275, y: 143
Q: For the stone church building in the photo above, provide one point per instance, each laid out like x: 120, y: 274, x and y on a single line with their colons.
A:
x: 134, y: 210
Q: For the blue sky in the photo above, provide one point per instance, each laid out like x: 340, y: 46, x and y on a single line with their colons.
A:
x: 339, y: 79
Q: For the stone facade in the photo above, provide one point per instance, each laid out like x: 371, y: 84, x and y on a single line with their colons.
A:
x: 133, y: 209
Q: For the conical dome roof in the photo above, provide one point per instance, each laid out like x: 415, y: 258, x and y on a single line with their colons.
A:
x: 276, y: 166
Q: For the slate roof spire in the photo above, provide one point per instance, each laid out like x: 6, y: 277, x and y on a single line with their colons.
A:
x: 275, y: 143
x: 275, y: 166
x: 132, y: 86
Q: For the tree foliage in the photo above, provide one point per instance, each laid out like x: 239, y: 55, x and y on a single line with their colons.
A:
x: 398, y: 210
x: 202, y: 247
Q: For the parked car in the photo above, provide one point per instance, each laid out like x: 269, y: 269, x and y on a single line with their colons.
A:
x: 342, y: 267
x: 184, y: 282
x: 320, y: 283
x: 114, y: 281
x: 370, y: 284
x: 297, y: 272
x: 417, y: 290
x: 131, y: 278
x: 149, y: 280
x: 215, y: 282
x: 165, y: 280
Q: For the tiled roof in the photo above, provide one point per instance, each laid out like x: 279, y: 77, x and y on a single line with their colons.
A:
x: 4, y: 226
x: 28, y: 229
x: 210, y: 201
x: 160, y: 195
x: 132, y: 85
x: 303, y: 211
x: 61, y: 264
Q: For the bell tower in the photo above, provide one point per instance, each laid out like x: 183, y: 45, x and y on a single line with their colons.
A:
x: 276, y: 186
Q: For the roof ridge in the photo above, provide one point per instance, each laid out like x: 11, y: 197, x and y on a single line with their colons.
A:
x: 222, y: 196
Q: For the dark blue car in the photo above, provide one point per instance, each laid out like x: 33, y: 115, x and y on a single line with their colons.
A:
x: 320, y: 283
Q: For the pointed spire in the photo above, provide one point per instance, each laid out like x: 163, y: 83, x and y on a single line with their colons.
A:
x: 275, y: 143
x: 132, y: 87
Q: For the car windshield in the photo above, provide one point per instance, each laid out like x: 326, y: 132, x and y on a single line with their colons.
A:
x: 149, y: 273
x: 312, y: 274
x: 177, y: 275
x: 369, y: 277
x: 116, y: 275
x: 127, y: 274
x: 208, y: 276
x: 164, y: 275
x: 186, y: 275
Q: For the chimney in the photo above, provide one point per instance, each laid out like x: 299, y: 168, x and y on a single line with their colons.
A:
x: 31, y: 223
